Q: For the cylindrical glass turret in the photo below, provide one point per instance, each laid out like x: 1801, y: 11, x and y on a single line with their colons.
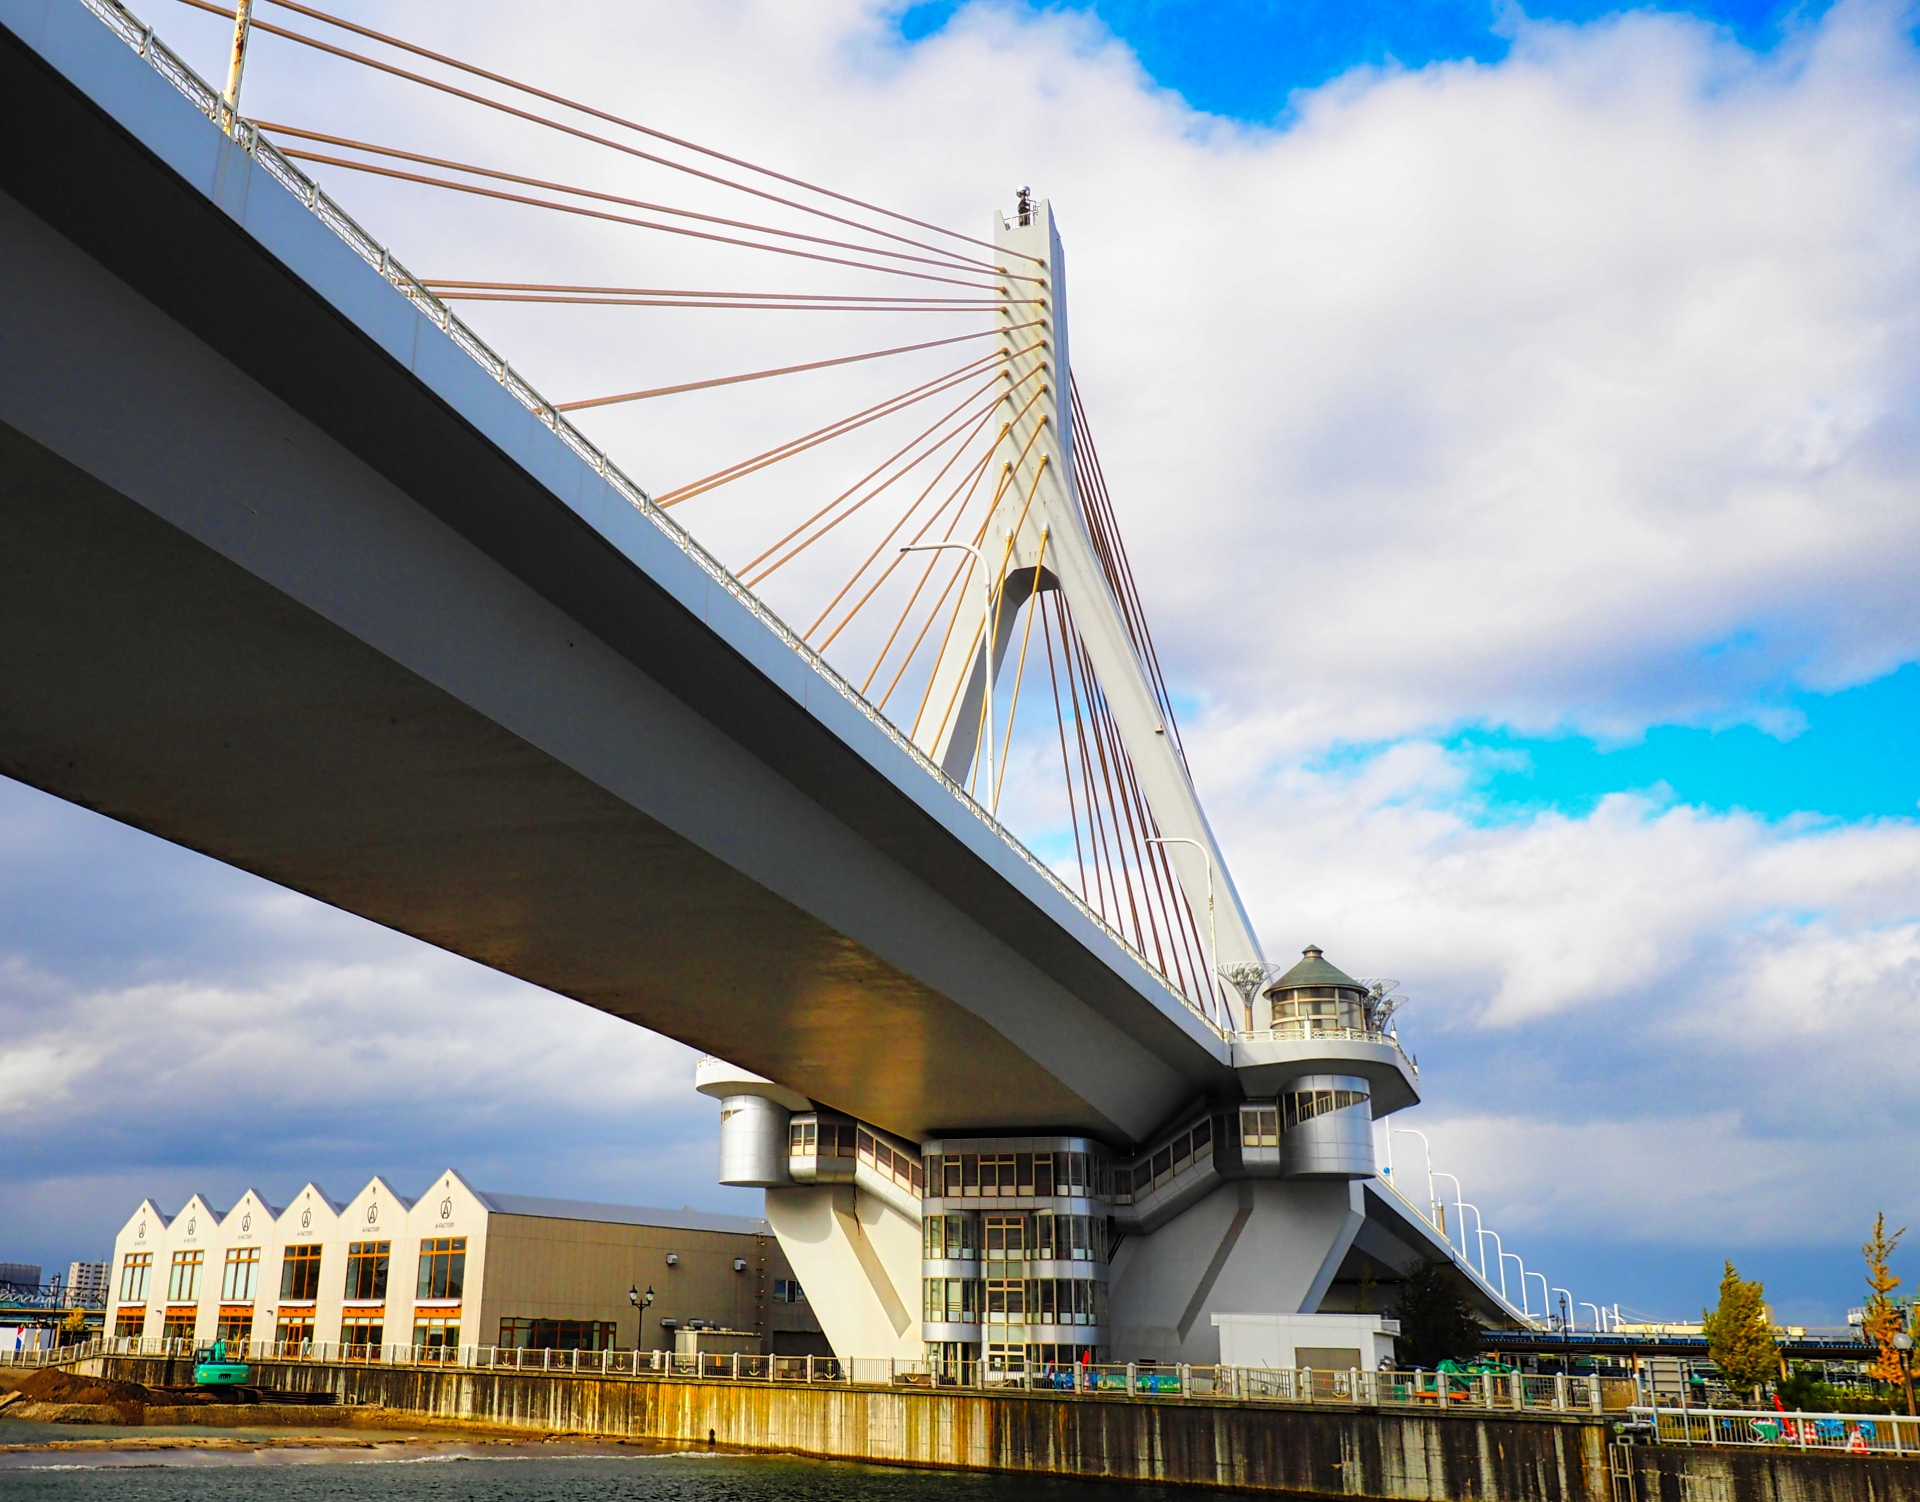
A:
x: 1326, y: 1128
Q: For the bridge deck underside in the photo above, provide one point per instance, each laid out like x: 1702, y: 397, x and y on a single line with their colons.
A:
x: 218, y: 714
x: 267, y: 595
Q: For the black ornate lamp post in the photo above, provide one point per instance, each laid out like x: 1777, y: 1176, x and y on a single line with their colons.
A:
x: 640, y: 1301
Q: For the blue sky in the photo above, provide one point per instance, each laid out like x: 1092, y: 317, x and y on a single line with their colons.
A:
x: 1242, y: 59
x: 1550, y: 379
x: 1854, y: 754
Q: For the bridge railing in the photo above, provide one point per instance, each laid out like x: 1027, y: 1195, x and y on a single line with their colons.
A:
x: 204, y: 97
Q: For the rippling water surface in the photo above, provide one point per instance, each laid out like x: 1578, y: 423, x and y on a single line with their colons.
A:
x: 518, y: 1473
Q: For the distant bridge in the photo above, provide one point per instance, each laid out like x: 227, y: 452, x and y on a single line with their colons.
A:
x: 1687, y: 1347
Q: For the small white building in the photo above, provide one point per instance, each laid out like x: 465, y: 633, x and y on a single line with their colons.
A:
x: 453, y: 1266
x: 1324, y: 1342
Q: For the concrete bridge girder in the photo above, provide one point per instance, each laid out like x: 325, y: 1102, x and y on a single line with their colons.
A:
x: 295, y: 582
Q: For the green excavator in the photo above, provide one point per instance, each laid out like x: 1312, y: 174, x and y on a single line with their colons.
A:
x: 211, y: 1369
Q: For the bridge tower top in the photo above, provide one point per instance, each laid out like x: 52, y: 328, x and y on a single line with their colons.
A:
x: 1041, y: 537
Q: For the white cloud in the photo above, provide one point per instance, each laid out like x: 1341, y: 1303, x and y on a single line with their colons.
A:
x: 1573, y: 390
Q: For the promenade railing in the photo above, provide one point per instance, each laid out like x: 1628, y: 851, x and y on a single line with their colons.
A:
x: 1510, y: 1392
x: 1848, y: 1433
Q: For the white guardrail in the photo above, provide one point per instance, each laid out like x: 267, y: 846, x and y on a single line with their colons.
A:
x: 1493, y: 1391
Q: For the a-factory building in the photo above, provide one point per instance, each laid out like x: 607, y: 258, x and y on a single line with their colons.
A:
x: 451, y: 1267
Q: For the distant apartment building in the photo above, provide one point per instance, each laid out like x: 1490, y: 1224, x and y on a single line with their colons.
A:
x: 451, y: 1267
x: 86, y: 1284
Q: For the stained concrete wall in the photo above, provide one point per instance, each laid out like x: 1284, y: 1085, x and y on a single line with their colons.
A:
x: 1431, y: 1457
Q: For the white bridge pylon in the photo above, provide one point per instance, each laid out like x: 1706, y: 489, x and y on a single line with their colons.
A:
x: 1037, y: 539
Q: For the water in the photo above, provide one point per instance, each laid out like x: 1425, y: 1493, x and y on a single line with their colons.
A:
x: 436, y: 1470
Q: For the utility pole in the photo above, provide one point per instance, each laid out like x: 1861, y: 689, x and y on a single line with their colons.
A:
x: 230, y: 101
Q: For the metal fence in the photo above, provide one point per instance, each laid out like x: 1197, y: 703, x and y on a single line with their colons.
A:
x: 1848, y: 1433
x: 1509, y: 1392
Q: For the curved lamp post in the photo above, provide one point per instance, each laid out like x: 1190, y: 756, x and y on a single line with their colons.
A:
x: 1499, y: 1259
x: 1526, y: 1310
x: 1427, y: 1147
x: 1468, y: 1205
x: 1546, y: 1293
x: 1458, y: 1204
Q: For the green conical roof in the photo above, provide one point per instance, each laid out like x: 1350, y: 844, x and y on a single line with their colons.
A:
x: 1313, y: 970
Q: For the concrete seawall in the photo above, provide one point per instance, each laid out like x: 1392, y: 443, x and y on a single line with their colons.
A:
x: 1394, y: 1455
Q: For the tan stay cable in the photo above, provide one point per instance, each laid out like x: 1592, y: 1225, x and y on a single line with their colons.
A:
x: 1020, y: 672
x: 998, y: 591
x: 925, y: 576
x: 528, y: 115
x: 477, y: 191
x: 905, y: 517
x: 761, y: 375
x: 500, y: 175
x: 932, y: 447
x: 647, y: 130
x: 838, y: 428
x: 897, y: 454
x: 1006, y: 479
x: 893, y: 531
x: 447, y: 286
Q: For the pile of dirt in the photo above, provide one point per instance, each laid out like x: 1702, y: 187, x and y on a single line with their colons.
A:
x: 51, y: 1385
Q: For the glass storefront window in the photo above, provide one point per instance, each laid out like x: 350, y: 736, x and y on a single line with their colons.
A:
x: 367, y: 1273
x: 300, y: 1272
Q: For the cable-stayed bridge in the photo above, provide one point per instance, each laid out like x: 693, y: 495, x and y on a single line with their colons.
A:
x: 302, y: 574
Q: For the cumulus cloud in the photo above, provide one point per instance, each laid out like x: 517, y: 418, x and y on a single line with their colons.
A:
x: 253, y: 1036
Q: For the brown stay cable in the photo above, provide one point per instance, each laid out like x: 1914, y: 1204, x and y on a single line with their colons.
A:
x: 967, y: 480
x: 441, y: 285
x: 907, y: 516
x: 1066, y: 773
x: 1006, y: 479
x: 1020, y: 672
x: 925, y: 576
x: 647, y: 130
x: 735, y: 306
x: 500, y: 175
x: 761, y: 375
x: 1060, y: 724
x: 476, y: 190
x: 528, y: 115
x: 933, y: 446
x: 836, y: 429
